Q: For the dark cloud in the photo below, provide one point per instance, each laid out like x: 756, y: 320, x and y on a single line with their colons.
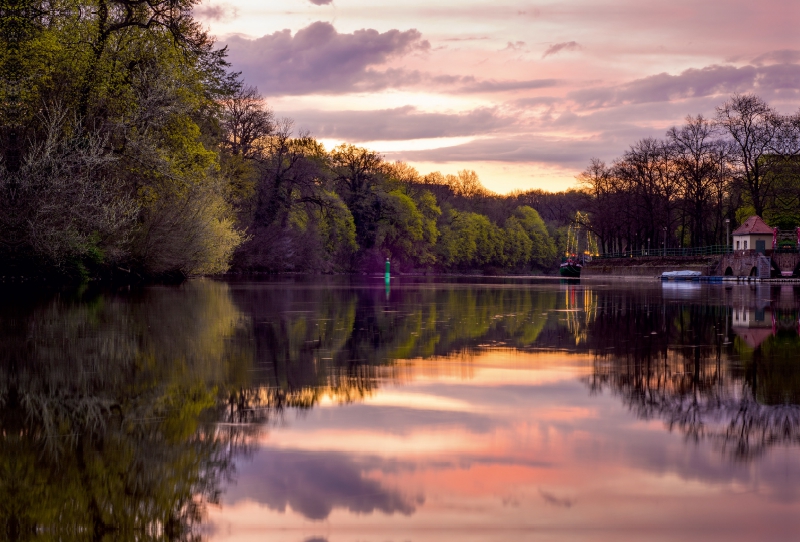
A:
x: 694, y: 83
x: 470, y: 84
x: 784, y: 56
x: 551, y: 499
x: 215, y: 12
x: 398, y: 123
x: 514, y: 46
x: 321, y: 2
x: 519, y: 148
x: 313, y: 484
x: 318, y: 59
x: 603, y: 132
x: 558, y: 47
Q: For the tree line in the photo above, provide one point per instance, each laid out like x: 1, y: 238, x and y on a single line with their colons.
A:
x: 681, y: 190
x: 348, y: 209
x: 129, y: 147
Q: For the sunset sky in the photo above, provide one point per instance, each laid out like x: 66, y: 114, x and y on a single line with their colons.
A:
x: 523, y: 92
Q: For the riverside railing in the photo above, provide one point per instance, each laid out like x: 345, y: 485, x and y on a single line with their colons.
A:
x: 714, y: 250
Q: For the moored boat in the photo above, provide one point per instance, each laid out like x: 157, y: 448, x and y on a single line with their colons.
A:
x: 570, y: 267
x: 681, y: 275
x: 580, y: 247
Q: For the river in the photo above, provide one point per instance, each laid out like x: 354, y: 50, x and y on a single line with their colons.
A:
x: 337, y: 409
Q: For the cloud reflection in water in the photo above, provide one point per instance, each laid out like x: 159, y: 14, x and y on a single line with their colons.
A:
x: 313, y: 483
x: 610, y: 420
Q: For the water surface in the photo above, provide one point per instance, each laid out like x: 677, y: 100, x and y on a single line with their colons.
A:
x: 303, y: 409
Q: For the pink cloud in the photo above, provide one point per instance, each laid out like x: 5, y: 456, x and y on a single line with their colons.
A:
x: 399, y: 123
x: 558, y: 47
x: 692, y: 83
x: 215, y: 12
x: 520, y: 148
x: 643, y: 67
x: 783, y: 56
x: 318, y: 59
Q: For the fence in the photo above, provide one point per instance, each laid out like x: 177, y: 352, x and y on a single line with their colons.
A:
x: 714, y: 250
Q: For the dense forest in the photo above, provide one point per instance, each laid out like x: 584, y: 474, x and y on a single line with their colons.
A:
x: 130, y: 148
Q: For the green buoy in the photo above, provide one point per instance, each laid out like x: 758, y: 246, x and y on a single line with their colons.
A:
x: 387, y: 278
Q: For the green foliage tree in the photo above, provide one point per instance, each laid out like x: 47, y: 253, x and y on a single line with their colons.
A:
x: 358, y: 175
x: 127, y: 87
x: 471, y: 240
x: 518, y: 246
x: 543, y: 248
x: 130, y: 147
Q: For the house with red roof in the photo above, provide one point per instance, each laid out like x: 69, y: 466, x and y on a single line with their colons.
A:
x: 754, y: 234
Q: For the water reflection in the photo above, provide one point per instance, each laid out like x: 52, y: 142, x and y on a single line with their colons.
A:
x: 313, y: 484
x: 713, y: 364
x: 122, y: 412
x: 133, y: 412
x: 105, y: 402
x: 315, y: 339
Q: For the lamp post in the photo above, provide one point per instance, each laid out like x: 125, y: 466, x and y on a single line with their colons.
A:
x: 665, y: 240
x: 648, y: 246
x: 728, y: 232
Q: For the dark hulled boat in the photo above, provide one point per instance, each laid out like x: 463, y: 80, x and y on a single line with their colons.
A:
x: 579, y: 251
x: 570, y: 267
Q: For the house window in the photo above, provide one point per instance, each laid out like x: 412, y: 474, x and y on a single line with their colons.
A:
x: 737, y: 245
x: 745, y: 245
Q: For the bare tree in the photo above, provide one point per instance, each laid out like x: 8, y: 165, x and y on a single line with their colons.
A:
x: 246, y: 120
x: 646, y: 174
x: 787, y: 138
x: 695, y: 153
x: 290, y: 173
x: 754, y: 128
x: 68, y: 202
x: 597, y: 181
x: 466, y: 184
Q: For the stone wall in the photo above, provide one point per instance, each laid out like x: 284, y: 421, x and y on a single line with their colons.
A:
x: 648, y: 267
x: 739, y: 263
x: 786, y: 262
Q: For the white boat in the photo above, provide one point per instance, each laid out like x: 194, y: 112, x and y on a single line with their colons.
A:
x: 680, y: 275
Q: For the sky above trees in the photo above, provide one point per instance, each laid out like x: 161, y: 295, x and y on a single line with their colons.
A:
x: 523, y: 92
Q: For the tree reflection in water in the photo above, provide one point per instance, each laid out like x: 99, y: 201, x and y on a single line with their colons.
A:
x: 107, y: 413
x: 713, y: 364
x: 122, y: 413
